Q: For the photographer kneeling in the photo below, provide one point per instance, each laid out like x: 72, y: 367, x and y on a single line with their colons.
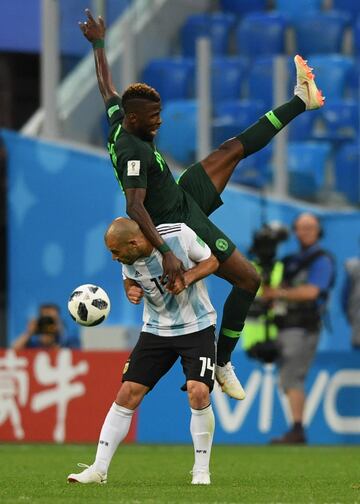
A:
x: 307, y: 279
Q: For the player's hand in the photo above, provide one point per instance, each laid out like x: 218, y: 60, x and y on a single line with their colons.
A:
x: 179, y: 286
x: 135, y: 294
x: 173, y: 269
x: 92, y: 29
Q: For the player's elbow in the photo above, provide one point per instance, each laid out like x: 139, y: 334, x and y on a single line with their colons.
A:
x: 213, y: 264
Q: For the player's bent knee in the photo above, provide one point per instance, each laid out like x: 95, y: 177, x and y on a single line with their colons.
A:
x: 198, y: 392
x: 130, y: 394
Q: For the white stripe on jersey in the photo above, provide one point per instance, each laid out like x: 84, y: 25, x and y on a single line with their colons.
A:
x: 165, y: 314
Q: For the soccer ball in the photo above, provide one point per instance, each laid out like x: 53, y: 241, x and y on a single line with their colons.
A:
x: 89, y: 305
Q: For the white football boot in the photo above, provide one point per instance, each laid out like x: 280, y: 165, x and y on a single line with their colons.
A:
x: 200, y: 477
x: 306, y: 88
x: 228, y: 381
x: 87, y: 476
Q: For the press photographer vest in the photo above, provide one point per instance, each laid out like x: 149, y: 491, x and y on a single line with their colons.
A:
x: 306, y: 314
x: 255, y: 330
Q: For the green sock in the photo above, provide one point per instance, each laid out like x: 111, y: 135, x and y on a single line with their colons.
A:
x: 236, y: 307
x: 260, y: 133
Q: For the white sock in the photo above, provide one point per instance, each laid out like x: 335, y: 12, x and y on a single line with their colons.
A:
x: 202, y: 427
x: 114, y: 430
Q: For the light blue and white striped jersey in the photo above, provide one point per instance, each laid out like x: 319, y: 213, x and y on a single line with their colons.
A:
x: 166, y: 314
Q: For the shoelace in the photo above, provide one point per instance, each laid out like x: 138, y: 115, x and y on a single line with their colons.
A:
x: 230, y: 374
x: 202, y: 471
x: 80, y: 464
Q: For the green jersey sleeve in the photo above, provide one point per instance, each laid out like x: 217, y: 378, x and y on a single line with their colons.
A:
x: 114, y: 110
x: 133, y: 166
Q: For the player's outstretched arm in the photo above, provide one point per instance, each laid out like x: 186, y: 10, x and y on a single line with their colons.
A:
x: 94, y: 32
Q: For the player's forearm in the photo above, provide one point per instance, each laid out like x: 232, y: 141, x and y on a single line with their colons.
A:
x: 201, y: 270
x: 103, y: 74
x: 139, y: 214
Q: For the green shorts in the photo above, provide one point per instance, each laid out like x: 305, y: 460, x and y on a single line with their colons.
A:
x: 204, y: 200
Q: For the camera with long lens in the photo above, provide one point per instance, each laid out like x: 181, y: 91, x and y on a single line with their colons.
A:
x: 265, y: 243
x: 264, y: 248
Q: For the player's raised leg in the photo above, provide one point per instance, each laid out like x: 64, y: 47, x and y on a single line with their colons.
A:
x: 220, y: 164
x: 114, y: 430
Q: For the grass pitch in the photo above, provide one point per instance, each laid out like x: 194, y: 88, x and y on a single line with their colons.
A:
x: 160, y: 474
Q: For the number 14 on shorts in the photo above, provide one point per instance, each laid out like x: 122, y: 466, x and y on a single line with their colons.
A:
x: 206, y: 364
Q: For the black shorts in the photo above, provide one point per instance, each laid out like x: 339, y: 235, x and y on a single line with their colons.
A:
x: 153, y: 356
x: 196, y: 182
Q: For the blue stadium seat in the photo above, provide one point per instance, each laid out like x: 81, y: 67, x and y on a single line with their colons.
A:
x: 261, y: 34
x: 227, y: 77
x: 260, y: 80
x: 232, y: 117
x: 293, y: 9
x: 347, y: 171
x: 306, y: 165
x: 357, y: 35
x: 177, y: 136
x: 340, y: 120
x: 171, y: 77
x: 302, y: 127
x: 320, y: 32
x: 331, y: 72
x: 255, y: 170
x: 352, y: 85
x: 241, y: 7
x: 350, y: 6
x: 217, y: 26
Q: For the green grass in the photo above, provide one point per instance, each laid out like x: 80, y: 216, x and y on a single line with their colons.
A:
x: 160, y: 474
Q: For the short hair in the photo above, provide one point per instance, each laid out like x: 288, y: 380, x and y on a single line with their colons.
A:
x: 139, y: 91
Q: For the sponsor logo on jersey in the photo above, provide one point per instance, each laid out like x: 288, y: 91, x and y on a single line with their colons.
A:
x: 221, y: 244
x: 133, y: 168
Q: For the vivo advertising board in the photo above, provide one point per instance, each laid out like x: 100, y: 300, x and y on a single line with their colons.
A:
x: 332, y: 412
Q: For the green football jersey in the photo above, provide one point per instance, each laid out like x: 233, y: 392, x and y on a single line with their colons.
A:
x: 138, y: 164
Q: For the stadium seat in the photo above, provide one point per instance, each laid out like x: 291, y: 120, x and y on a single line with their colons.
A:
x: 260, y: 80
x: 331, y: 72
x: 307, y: 165
x: 347, y: 171
x: 255, y: 170
x: 232, y: 117
x: 261, y: 34
x: 293, y: 9
x: 320, y: 33
x: 350, y: 6
x: 227, y: 77
x: 173, y: 78
x: 340, y: 120
x: 217, y: 26
x: 177, y: 136
x: 241, y: 7
x: 353, y: 80
x: 302, y: 127
x: 357, y: 35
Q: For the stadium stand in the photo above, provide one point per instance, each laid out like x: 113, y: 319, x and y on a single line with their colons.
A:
x: 261, y: 34
x: 307, y: 164
x: 295, y: 9
x: 241, y: 7
x: 318, y: 33
x: 217, y: 26
x: 347, y: 174
x: 172, y: 77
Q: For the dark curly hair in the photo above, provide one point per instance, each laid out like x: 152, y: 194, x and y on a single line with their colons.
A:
x: 139, y: 91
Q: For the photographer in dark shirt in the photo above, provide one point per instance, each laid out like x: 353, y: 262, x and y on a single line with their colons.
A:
x: 307, y: 279
x: 45, y: 331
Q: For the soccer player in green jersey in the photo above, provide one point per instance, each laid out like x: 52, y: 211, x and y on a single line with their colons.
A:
x: 153, y: 197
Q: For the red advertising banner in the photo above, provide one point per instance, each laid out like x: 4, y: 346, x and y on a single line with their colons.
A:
x: 60, y: 396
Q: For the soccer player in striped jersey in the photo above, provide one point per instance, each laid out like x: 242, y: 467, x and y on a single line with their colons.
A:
x: 178, y: 322
x: 153, y: 197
